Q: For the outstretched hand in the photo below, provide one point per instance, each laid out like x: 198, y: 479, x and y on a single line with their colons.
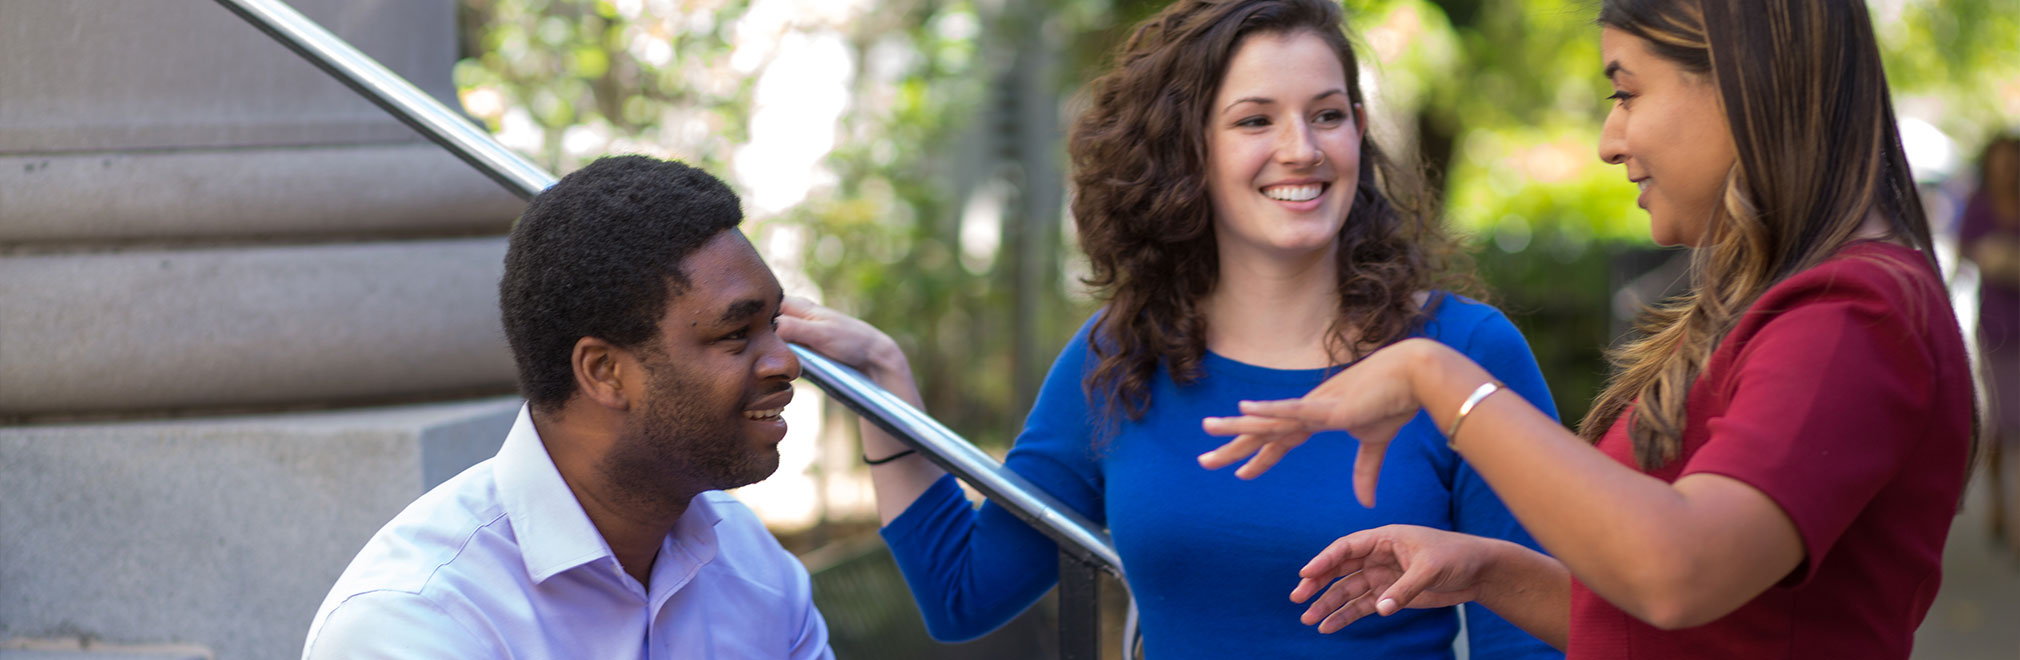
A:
x: 1385, y: 569
x: 1371, y: 400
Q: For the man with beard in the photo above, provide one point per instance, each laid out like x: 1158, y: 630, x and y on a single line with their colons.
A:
x: 643, y: 324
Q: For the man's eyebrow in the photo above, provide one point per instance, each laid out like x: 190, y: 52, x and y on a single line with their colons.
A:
x: 742, y: 309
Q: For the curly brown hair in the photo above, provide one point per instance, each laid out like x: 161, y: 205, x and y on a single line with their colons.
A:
x: 1139, y: 168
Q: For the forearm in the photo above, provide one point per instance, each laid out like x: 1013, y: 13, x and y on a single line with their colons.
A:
x: 1633, y: 539
x: 969, y: 569
x: 1530, y: 590
x: 899, y: 482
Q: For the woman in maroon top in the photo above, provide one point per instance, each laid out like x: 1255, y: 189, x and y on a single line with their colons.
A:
x: 1775, y: 465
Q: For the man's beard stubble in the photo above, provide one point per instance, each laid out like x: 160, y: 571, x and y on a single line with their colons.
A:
x: 675, y: 447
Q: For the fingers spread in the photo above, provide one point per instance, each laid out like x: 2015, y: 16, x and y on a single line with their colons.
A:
x: 1343, y: 556
x: 1349, y: 603
x: 1307, y: 587
x: 1263, y: 461
x: 1225, y: 426
x: 1286, y: 408
x: 1239, y: 448
x: 1339, y: 594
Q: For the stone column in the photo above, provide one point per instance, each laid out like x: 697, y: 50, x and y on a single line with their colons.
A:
x: 245, y: 317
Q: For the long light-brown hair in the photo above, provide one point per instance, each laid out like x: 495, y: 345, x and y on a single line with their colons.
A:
x: 1139, y: 171
x: 1814, y: 129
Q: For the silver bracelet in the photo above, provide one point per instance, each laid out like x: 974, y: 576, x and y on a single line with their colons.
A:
x: 1479, y: 394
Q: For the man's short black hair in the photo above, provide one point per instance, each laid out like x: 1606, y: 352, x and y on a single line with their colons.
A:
x: 598, y: 255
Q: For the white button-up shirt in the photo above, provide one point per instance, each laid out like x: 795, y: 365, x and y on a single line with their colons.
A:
x: 501, y: 561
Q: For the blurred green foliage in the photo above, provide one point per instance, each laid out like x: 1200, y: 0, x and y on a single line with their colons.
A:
x: 1503, y: 100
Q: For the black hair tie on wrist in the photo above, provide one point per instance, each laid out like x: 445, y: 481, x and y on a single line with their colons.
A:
x: 880, y: 461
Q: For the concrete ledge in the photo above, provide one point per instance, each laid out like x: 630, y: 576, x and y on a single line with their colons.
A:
x: 222, y: 533
x: 392, y: 189
x: 156, y: 330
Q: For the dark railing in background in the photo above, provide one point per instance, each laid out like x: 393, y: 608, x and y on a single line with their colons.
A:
x: 1085, y: 550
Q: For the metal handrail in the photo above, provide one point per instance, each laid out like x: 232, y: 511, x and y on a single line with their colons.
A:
x: 960, y: 457
x: 1078, y: 538
x: 393, y: 93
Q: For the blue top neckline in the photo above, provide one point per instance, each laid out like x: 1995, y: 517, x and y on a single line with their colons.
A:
x: 1223, y: 366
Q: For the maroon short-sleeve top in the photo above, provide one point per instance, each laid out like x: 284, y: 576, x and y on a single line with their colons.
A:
x: 1844, y: 394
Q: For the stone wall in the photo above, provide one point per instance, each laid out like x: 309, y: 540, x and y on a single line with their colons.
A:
x: 245, y: 317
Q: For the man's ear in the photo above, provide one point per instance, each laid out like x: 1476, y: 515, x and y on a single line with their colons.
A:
x: 601, y: 370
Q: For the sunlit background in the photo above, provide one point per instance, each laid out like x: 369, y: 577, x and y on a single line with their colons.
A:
x: 903, y: 160
x: 245, y: 316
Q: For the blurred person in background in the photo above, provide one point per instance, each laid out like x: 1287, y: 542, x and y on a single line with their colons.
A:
x: 1248, y: 239
x: 1990, y: 238
x: 1774, y: 468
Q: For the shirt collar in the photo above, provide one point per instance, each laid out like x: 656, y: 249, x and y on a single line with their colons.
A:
x: 553, y: 532
x: 690, y: 547
x: 696, y: 528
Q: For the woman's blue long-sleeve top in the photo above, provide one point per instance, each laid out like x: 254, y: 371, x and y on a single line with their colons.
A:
x: 1211, y: 559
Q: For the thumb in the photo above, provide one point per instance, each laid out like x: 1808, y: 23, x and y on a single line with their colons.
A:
x: 1405, y: 590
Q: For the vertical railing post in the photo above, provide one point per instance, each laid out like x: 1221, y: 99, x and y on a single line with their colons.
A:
x: 1079, y: 608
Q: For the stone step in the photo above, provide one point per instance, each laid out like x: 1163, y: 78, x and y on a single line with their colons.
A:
x: 174, y: 74
x: 222, y: 532
x: 413, y: 188
x: 156, y: 330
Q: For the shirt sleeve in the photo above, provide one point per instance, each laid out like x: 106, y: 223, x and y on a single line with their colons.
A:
x: 393, y: 625
x: 1827, y: 398
x: 971, y: 570
x: 1498, y: 347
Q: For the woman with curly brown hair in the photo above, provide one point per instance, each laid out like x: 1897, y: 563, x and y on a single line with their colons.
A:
x: 1773, y: 470
x: 1249, y: 240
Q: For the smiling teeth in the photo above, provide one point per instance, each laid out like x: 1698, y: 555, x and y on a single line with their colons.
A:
x: 761, y: 415
x: 1642, y: 184
x: 1294, y: 193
